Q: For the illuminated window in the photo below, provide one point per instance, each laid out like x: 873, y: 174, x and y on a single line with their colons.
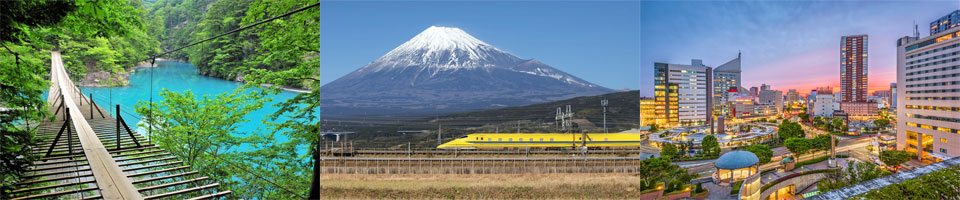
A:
x: 943, y: 140
x: 945, y: 37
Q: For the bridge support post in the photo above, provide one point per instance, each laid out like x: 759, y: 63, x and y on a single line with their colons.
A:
x: 118, y: 126
x: 66, y: 126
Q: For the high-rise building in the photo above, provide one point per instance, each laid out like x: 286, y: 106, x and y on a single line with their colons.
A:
x: 853, y: 68
x: 764, y: 87
x: 683, y: 93
x: 725, y: 77
x: 793, y: 96
x: 772, y: 97
x: 946, y: 22
x: 648, y: 114
x: 754, y: 91
x: 928, y: 111
x: 893, y: 96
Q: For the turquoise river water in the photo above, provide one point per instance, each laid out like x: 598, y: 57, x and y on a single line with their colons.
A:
x: 176, y: 77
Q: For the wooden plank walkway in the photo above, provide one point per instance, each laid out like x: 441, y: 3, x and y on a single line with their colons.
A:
x: 85, y: 163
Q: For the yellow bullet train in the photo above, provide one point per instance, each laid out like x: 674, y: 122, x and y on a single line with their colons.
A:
x: 509, y: 141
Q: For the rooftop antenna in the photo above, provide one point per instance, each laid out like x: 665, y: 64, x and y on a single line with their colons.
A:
x: 916, y: 31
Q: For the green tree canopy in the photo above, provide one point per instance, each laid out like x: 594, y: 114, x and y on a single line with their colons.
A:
x: 798, y: 146
x: 668, y: 150
x: 788, y: 130
x: 895, y: 157
x: 709, y: 145
x: 837, y: 124
x: 880, y: 123
x: 763, y: 152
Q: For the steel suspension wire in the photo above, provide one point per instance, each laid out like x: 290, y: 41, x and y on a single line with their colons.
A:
x: 154, y: 57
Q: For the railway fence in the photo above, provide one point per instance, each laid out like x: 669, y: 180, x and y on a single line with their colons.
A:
x: 485, y: 165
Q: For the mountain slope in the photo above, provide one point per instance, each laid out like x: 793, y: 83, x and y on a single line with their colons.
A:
x: 445, y: 70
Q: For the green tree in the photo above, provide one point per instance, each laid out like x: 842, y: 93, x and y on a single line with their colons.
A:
x: 881, y: 123
x: 820, y: 142
x: 856, y: 172
x: 895, y: 157
x: 668, y: 150
x: 709, y: 144
x: 798, y: 146
x: 804, y: 117
x: 763, y: 152
x: 788, y: 130
x: 837, y: 124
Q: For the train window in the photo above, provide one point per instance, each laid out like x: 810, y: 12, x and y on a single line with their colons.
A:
x: 499, y: 139
x: 605, y: 139
x: 511, y: 139
x: 520, y: 139
x: 551, y: 139
x: 541, y: 139
x: 531, y: 139
x: 489, y: 139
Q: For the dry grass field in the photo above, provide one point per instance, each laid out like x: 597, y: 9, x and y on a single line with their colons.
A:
x: 480, y: 186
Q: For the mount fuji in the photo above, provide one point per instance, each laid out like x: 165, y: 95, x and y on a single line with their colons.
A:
x: 445, y: 70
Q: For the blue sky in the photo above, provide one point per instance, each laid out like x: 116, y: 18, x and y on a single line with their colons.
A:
x: 787, y: 44
x: 596, y: 41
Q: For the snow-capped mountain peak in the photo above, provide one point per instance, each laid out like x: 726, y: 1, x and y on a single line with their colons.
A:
x: 440, y: 38
x: 442, y: 48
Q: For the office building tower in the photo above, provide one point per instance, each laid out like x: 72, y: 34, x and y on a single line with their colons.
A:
x: 853, y: 68
x: 764, y: 87
x: 928, y: 110
x: 725, y: 77
x: 683, y: 93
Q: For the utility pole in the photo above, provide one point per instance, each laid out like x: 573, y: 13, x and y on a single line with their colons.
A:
x: 439, y: 133
x: 604, y: 103
x: 518, y: 126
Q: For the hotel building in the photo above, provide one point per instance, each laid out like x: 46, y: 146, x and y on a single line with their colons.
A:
x: 928, y: 95
x: 946, y: 22
x: 853, y: 68
x: 683, y: 93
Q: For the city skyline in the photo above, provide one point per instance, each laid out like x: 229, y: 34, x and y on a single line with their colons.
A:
x: 716, y: 31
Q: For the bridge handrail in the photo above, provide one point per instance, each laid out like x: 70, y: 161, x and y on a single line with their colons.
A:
x: 110, y: 178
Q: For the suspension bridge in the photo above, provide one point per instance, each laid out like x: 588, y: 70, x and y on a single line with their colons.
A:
x: 87, y: 153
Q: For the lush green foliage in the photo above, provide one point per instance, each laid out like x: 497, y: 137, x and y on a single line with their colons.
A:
x: 668, y: 150
x: 201, y: 130
x: 788, y: 130
x: 855, y: 172
x: 940, y: 184
x: 710, y: 146
x: 800, y: 146
x: 804, y: 117
x: 659, y: 170
x: 895, y: 157
x: 763, y: 152
x: 880, y: 123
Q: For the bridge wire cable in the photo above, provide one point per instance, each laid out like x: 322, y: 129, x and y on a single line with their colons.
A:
x: 154, y: 57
